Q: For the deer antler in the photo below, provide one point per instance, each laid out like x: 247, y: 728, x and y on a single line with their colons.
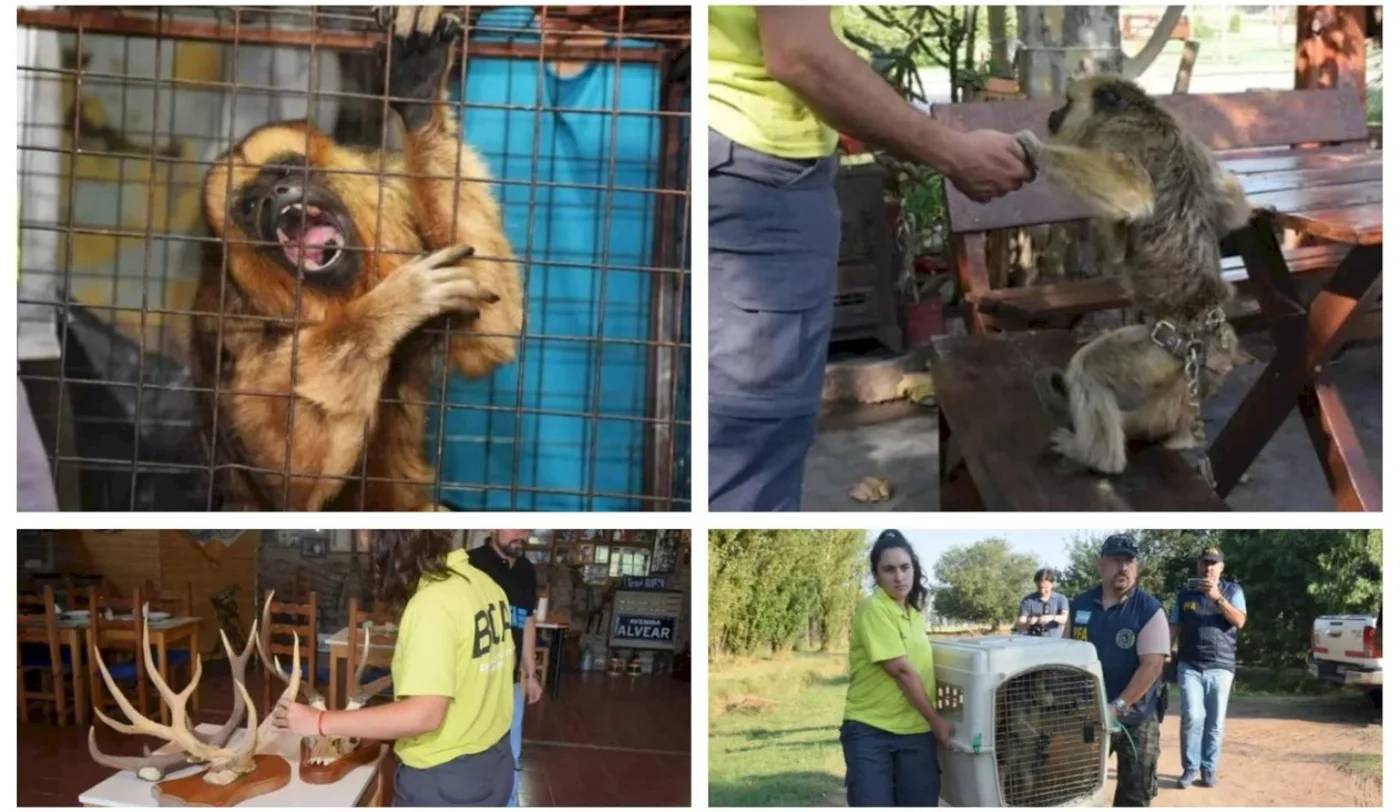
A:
x: 224, y: 763
x: 153, y: 766
x: 366, y: 692
x: 274, y: 667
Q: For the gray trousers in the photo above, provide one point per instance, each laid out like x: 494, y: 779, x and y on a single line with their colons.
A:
x: 775, y: 238
x: 479, y: 779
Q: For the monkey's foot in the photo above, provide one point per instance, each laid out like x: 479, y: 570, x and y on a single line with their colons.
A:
x: 1108, y: 461
x: 420, y: 55
x: 1204, y: 470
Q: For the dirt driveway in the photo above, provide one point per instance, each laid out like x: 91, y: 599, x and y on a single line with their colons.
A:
x: 1281, y: 752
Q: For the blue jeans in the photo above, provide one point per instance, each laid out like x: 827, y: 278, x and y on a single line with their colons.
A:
x: 775, y: 238
x: 1204, y: 695
x: 889, y: 769
x: 517, y: 734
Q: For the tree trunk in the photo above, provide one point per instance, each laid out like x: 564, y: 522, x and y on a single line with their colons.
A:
x: 1135, y: 66
x: 996, y: 31
x: 1060, y: 44
x: 1331, y: 48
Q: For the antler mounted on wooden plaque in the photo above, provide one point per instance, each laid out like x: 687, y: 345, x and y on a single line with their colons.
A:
x: 234, y: 774
x: 324, y: 759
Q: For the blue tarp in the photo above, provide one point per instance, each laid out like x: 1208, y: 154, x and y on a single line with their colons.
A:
x: 574, y: 253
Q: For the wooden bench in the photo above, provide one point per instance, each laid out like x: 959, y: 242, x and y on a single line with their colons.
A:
x: 994, y: 432
x: 993, y: 437
x: 1245, y: 130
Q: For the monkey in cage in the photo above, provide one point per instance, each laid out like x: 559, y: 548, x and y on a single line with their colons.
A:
x: 368, y: 270
x: 1025, y: 706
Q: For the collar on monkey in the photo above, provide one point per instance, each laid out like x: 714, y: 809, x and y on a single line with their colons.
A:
x: 1189, y: 343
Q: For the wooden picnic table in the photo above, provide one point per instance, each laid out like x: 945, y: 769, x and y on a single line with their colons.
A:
x: 1337, y: 198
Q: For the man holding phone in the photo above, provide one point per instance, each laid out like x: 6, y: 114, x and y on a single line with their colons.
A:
x: 1044, y: 612
x: 1205, y: 620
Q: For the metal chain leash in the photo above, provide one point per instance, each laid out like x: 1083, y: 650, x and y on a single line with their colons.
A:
x: 1190, y: 347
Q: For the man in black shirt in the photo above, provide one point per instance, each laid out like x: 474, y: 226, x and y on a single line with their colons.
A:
x: 501, y: 557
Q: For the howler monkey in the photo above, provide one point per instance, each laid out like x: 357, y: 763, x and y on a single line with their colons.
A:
x: 362, y: 329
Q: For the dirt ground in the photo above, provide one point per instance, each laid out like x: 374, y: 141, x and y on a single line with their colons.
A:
x: 1280, y: 752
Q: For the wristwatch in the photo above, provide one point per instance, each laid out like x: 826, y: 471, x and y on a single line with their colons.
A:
x: 1119, y: 706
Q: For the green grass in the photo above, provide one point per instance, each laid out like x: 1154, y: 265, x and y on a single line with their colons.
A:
x: 783, y: 754
x: 774, y: 725
x: 1363, y: 765
x: 1261, y: 681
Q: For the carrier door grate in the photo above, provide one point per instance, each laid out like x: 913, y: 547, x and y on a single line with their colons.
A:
x: 1047, y: 736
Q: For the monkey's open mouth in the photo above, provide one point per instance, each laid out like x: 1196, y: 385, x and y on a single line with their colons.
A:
x: 320, y: 241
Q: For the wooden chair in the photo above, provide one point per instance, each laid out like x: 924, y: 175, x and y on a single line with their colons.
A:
x: 51, y: 660
x: 542, y: 665
x: 101, y: 637
x: 179, y: 602
x: 177, y: 599
x: 288, y: 619
x: 377, y: 662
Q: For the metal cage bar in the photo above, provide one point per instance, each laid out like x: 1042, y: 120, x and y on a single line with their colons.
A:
x: 101, y: 360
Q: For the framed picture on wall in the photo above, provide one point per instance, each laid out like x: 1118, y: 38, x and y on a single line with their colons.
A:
x: 663, y: 558
x: 314, y: 546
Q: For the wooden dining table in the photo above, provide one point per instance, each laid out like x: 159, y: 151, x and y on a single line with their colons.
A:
x: 1334, y: 197
x: 33, y: 629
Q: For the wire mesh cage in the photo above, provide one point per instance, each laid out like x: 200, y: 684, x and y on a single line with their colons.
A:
x: 357, y: 258
x: 1048, y: 753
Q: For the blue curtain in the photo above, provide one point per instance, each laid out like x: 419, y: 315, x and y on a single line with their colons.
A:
x: 574, y: 252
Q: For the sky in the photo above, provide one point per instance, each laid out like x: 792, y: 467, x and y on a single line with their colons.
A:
x: 1049, y: 546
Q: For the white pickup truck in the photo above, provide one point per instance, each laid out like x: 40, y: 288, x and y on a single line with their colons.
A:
x: 1346, y: 649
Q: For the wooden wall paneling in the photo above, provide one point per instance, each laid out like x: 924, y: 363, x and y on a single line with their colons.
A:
x: 208, y: 570
x: 126, y: 557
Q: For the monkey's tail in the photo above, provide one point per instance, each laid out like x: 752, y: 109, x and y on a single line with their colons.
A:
x: 1054, y: 395
x: 1098, y: 422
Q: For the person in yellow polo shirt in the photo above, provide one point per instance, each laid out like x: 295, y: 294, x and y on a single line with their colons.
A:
x: 782, y: 82
x: 452, y: 674
x: 890, y: 725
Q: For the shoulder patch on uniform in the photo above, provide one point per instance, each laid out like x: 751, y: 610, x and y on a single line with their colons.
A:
x: 1125, y: 638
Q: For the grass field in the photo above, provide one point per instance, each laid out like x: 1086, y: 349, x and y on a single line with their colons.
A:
x: 774, y: 725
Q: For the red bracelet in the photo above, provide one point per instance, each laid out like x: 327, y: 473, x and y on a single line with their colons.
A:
x: 320, y: 717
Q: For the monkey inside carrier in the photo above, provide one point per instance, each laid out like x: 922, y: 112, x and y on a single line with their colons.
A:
x: 1030, y: 722
x: 356, y: 258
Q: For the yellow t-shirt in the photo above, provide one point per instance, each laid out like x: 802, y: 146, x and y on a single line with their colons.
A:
x: 454, y: 641
x: 882, y: 631
x: 752, y: 108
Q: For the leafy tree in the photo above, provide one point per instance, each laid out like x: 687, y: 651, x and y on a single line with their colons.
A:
x: 1290, y: 577
x: 983, y: 582
x: 771, y: 588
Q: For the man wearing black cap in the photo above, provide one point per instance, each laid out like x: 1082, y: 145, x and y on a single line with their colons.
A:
x: 1129, y: 630
x: 1207, y: 615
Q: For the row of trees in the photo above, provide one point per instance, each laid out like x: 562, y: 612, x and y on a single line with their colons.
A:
x: 773, y: 589
x: 1289, y: 578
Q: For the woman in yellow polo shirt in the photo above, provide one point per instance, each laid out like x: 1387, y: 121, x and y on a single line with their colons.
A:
x: 890, y: 725
x: 453, y: 693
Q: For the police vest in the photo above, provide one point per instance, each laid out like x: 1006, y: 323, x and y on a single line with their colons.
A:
x: 1114, y: 632
x: 1207, y: 640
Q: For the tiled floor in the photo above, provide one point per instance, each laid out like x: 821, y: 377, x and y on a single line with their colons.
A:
x: 604, y: 741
